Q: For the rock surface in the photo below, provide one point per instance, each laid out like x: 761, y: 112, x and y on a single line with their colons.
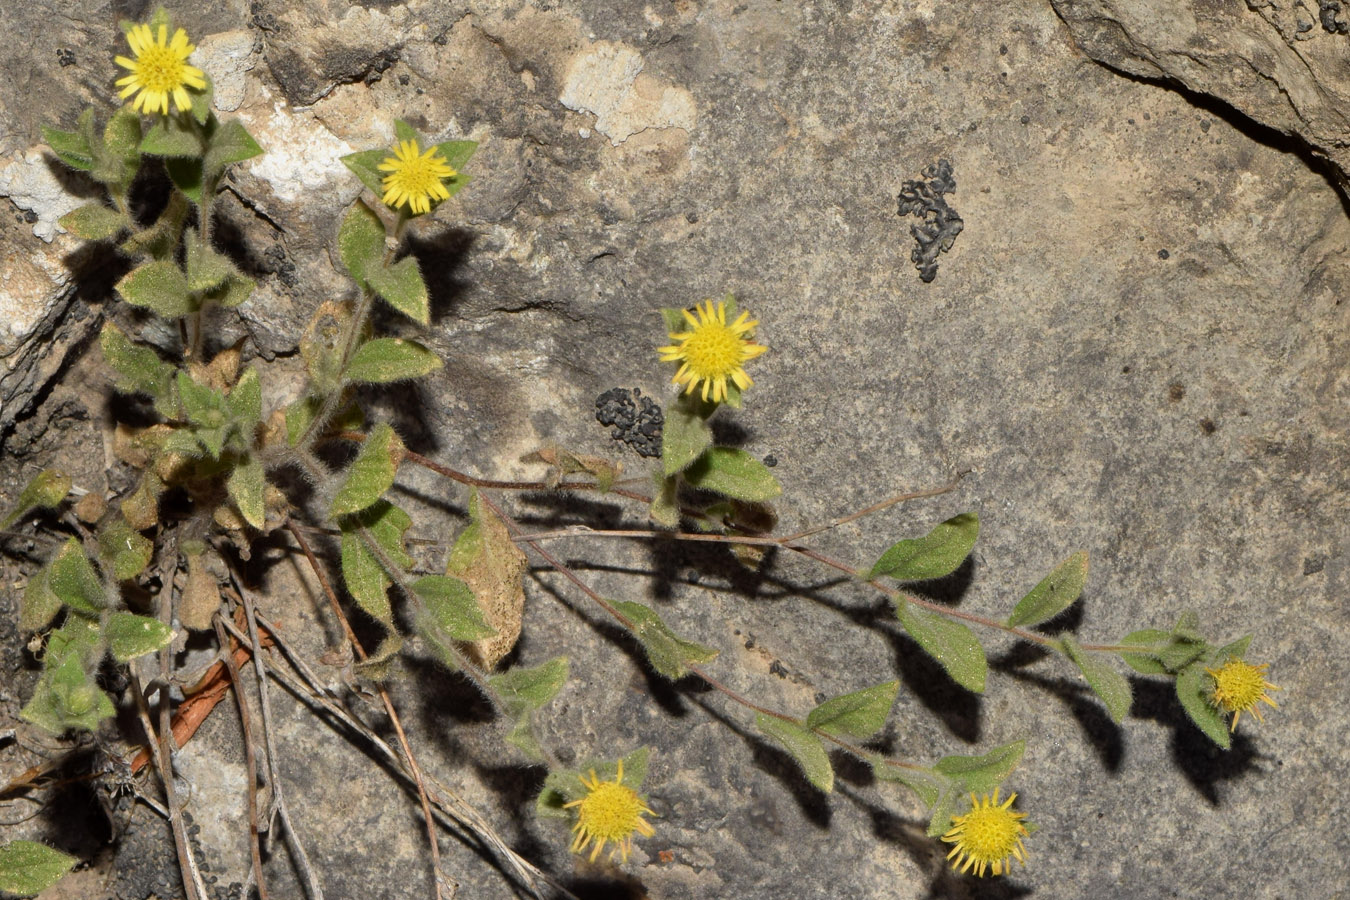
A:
x: 1284, y: 65
x: 1138, y: 343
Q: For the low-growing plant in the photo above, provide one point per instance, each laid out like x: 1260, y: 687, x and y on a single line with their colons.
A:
x: 222, y: 466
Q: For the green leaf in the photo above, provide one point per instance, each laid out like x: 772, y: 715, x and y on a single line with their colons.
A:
x: 522, y: 689
x: 39, y: 605
x: 27, y: 868
x: 950, y: 643
x: 1195, y: 689
x: 71, y: 577
x: 122, y: 135
x: 79, y: 637
x: 1237, y: 649
x: 1181, y: 653
x: 452, y: 604
x: 159, y: 286
x: 981, y: 774
x: 733, y: 473
x: 669, y: 654
x: 377, y: 665
x: 361, y: 242
x: 130, y: 636
x: 123, y: 550
x: 405, y: 132
x: 244, y: 402
x: 1108, y: 684
x: 246, y: 484
x: 202, y: 99
x: 236, y: 289
x: 160, y: 240
x: 860, y: 714
x: 171, y: 136
x: 402, y: 287
x: 1151, y: 642
x: 65, y: 697
x: 299, y: 415
x: 204, y: 407
x: 928, y: 784
x: 383, y: 360
x: 457, y: 153
x: 230, y: 143
x: 365, y: 166
x: 938, y: 553
x: 186, y: 175
x: 94, y: 222
x: 140, y: 369
x: 685, y: 434
x: 73, y: 147
x: 371, y: 473
x: 206, y: 269
x: 46, y: 490
x: 1054, y: 594
x: 940, y: 815
x: 803, y: 746
x: 665, y: 509
x: 364, y: 574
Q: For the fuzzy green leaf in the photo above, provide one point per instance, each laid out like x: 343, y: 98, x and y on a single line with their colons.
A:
x: 940, y: 815
x: 73, y: 147
x: 860, y: 714
x: 1181, y: 653
x: 669, y: 654
x: 402, y: 287
x: 371, y: 473
x: 71, y: 577
x: 202, y: 99
x: 938, y: 553
x: 159, y: 286
x: 1195, y: 690
x: 1151, y: 642
x: 123, y: 550
x: 205, y: 409
x: 685, y: 434
x: 46, y: 490
x: 361, y: 241
x: 234, y: 291
x: 230, y: 143
x: 39, y: 604
x: 186, y: 175
x: 733, y: 473
x: 206, y: 269
x: 665, y: 509
x: 171, y: 136
x: 94, y: 222
x: 27, y: 868
x: 78, y: 636
x: 140, y: 369
x: 405, y: 132
x: 122, y: 135
x: 981, y: 774
x: 803, y: 746
x: 524, y: 689
x: 130, y: 636
x: 160, y: 240
x: 362, y: 572
x: 1108, y: 684
x: 1237, y: 649
x: 950, y: 643
x: 927, y: 783
x: 66, y: 697
x: 1054, y: 594
x: 246, y: 485
x: 365, y: 166
x: 457, y: 153
x: 452, y: 604
x: 385, y: 360
x: 244, y: 402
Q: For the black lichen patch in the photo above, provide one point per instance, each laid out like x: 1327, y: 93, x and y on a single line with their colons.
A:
x: 637, y: 420
x: 1334, y: 16
x: 941, y: 224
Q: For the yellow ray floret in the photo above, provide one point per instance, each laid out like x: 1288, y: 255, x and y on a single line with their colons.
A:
x: 1238, y: 687
x: 159, y: 71
x: 415, y: 178
x: 711, y: 351
x: 610, y: 811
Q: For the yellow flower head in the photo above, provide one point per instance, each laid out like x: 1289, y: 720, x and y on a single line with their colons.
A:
x: 414, y: 177
x: 160, y: 70
x: 712, y: 351
x: 610, y: 811
x: 987, y: 836
x: 1238, y: 687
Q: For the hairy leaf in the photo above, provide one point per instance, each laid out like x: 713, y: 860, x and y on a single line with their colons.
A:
x: 130, y: 636
x: 371, y: 473
x: 1054, y: 594
x: 732, y: 473
x: 28, y: 868
x: 860, y: 714
x: 670, y: 654
x: 384, y: 360
x: 938, y: 553
x: 950, y: 643
x: 803, y: 746
x: 402, y: 287
x: 46, y: 490
x: 1108, y: 684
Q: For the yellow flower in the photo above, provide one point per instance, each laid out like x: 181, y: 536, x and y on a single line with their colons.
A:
x: 610, y: 811
x: 987, y: 836
x: 159, y: 70
x: 1238, y: 687
x: 712, y: 351
x: 414, y: 177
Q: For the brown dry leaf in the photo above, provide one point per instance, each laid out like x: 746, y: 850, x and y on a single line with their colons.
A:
x: 564, y: 462
x: 91, y: 508
x: 490, y: 563
x: 223, y: 370
x: 201, y: 595
x: 141, y: 507
x: 137, y: 446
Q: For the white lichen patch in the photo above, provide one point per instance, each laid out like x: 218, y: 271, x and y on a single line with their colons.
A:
x: 30, y: 184
x: 607, y: 81
x: 301, y: 156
